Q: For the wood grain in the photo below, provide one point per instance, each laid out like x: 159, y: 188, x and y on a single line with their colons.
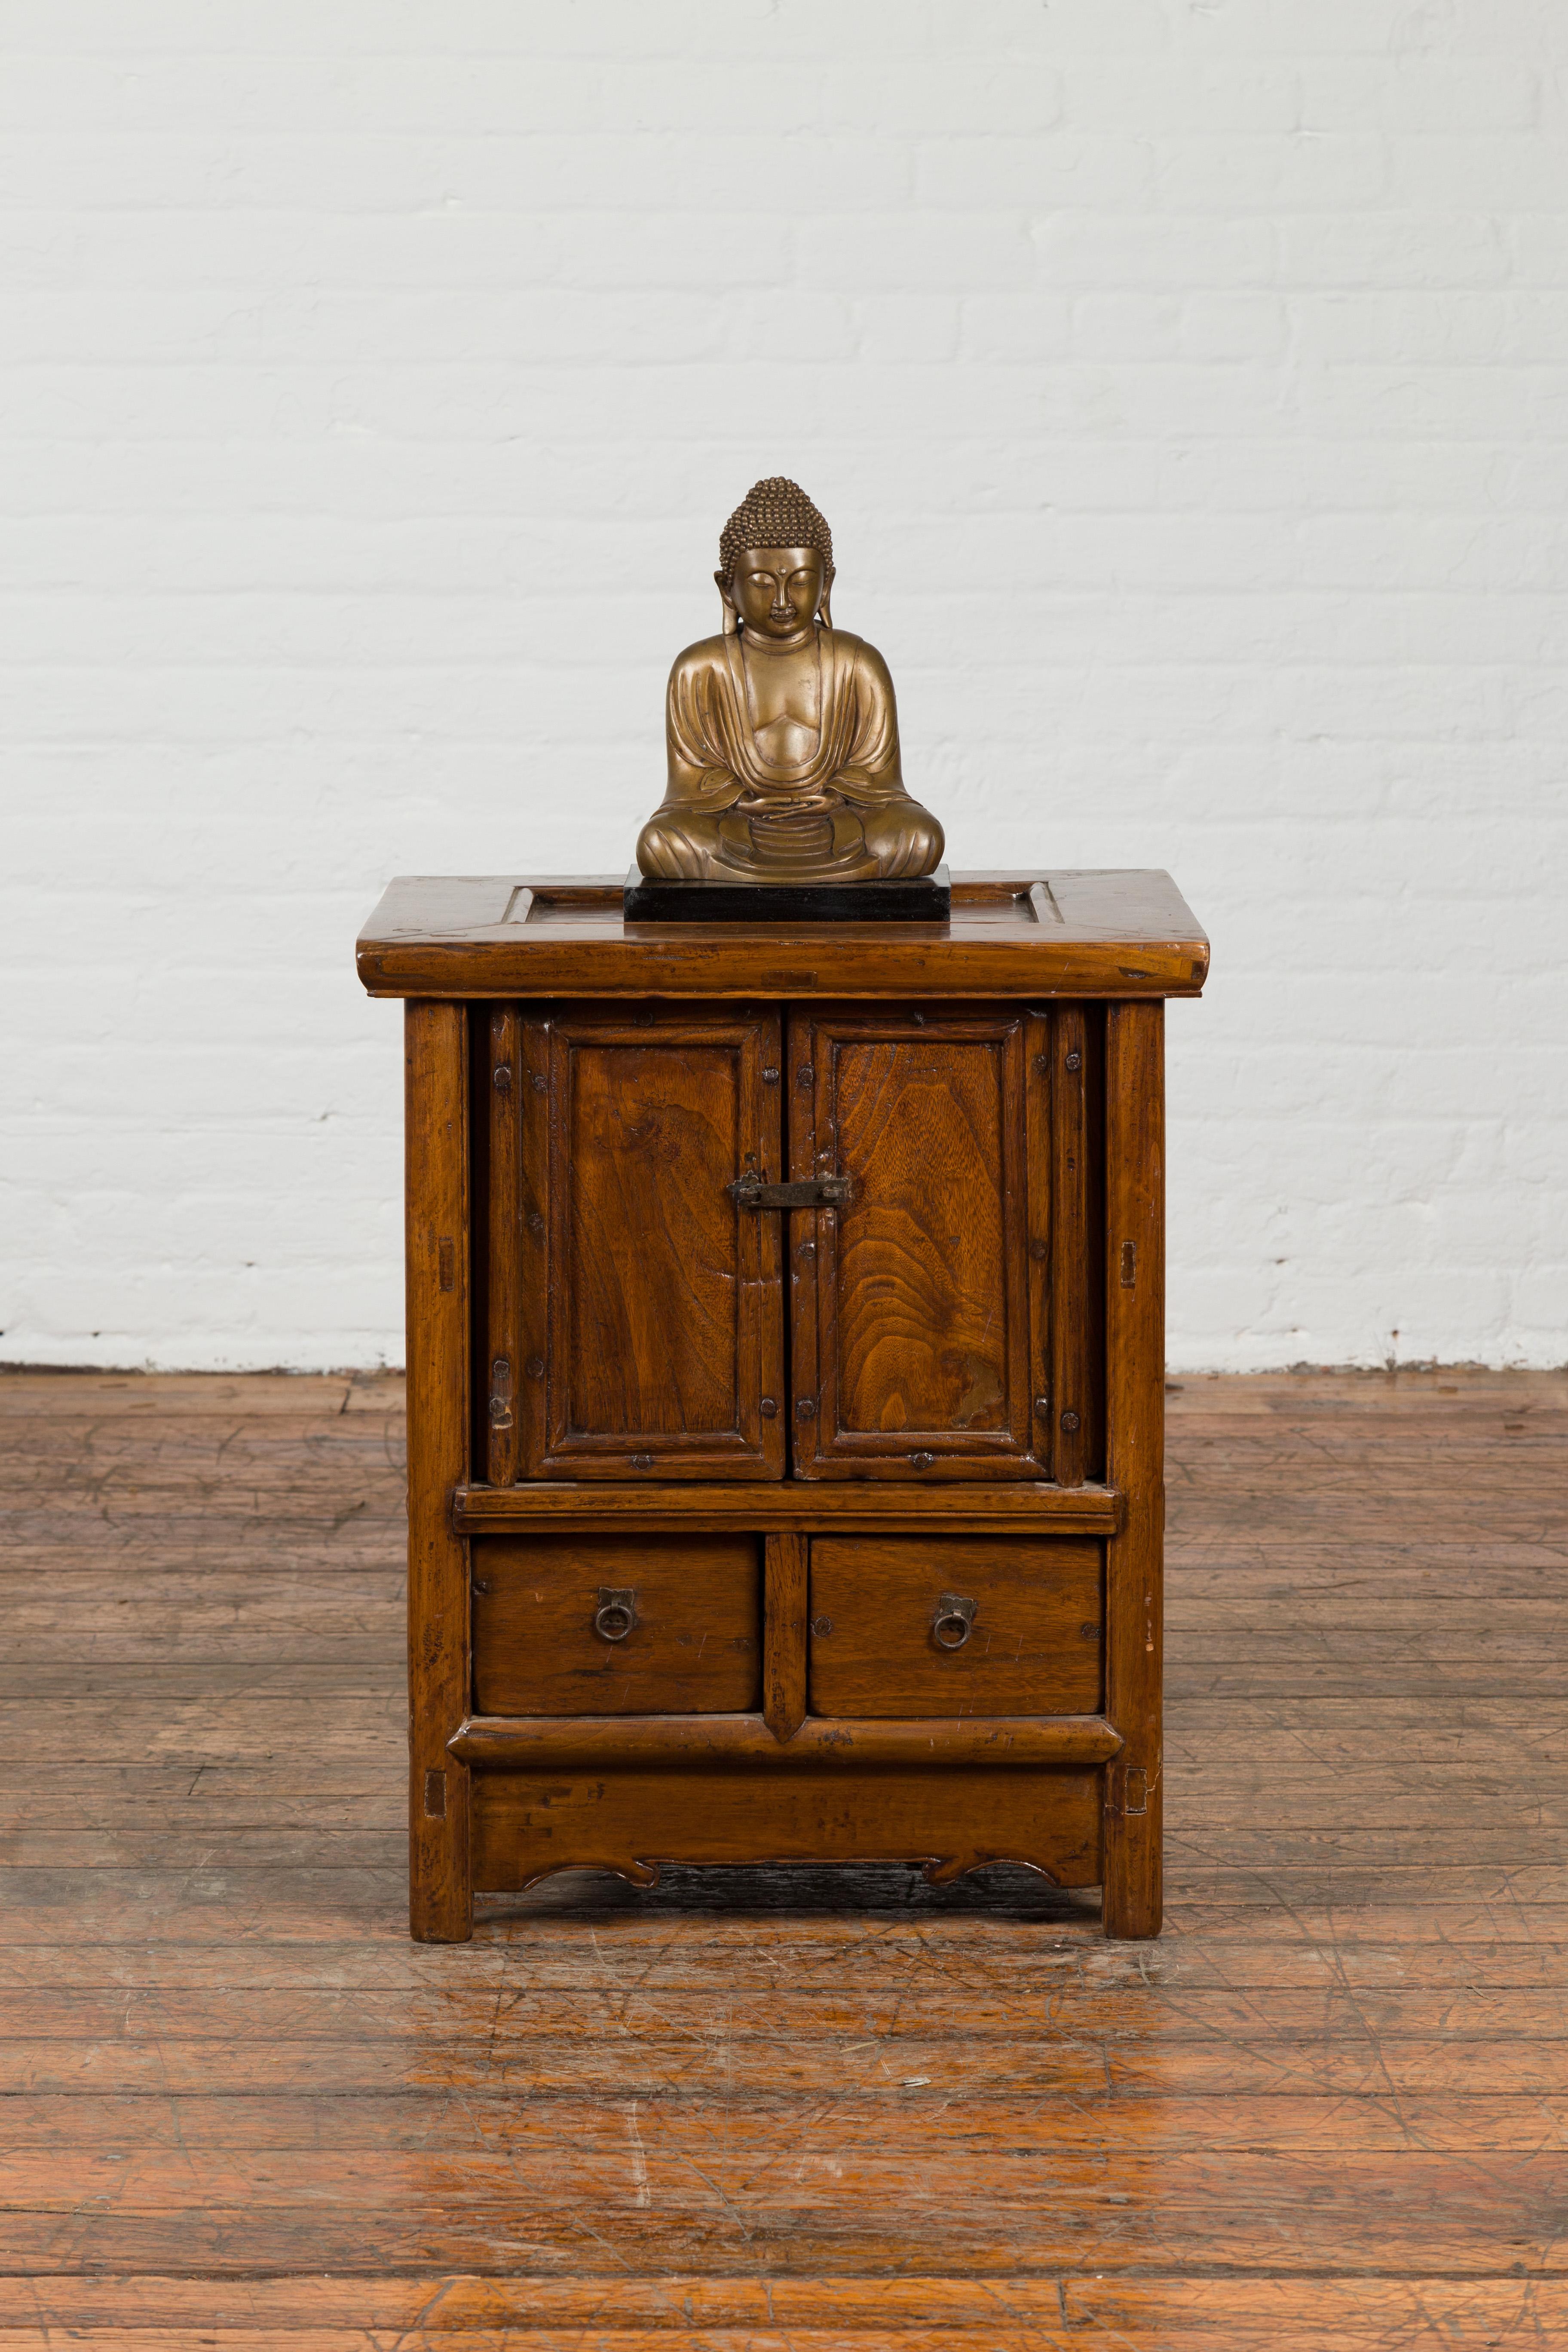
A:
x: 661, y: 1350
x: 508, y: 1743
x: 912, y: 1352
x: 1122, y: 933
x: 1086, y: 1510
x: 437, y: 1226
x: 1072, y: 1259
x: 1033, y: 1648
x: 1135, y: 1407
x: 499, y: 1282
x: 1325, y: 2110
x: 784, y: 1660
x: 695, y: 1643
x: 745, y: 2313
x: 629, y: 1821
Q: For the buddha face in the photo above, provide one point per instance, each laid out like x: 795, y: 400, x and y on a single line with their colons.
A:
x: 776, y: 589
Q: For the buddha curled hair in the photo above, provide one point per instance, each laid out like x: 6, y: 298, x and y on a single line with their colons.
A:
x: 774, y: 513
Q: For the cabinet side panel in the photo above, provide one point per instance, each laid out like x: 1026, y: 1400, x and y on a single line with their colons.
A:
x: 1135, y: 1434
x: 437, y: 1269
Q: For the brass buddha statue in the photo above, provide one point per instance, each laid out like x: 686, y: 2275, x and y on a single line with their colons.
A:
x: 782, y: 732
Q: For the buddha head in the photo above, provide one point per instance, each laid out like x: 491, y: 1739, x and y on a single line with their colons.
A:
x: 776, y: 559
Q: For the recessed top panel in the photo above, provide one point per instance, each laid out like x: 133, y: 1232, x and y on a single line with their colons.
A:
x: 1116, y: 933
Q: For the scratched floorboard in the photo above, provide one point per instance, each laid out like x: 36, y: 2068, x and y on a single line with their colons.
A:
x: 765, y: 2110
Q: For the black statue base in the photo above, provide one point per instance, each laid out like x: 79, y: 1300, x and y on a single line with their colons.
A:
x: 926, y: 898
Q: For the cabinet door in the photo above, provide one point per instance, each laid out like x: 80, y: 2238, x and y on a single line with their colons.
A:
x: 650, y: 1303
x: 918, y: 1307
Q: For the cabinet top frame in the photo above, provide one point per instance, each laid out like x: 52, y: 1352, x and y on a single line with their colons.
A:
x: 1107, y: 932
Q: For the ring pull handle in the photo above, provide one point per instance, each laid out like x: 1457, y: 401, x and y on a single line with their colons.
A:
x: 950, y: 1628
x: 616, y: 1614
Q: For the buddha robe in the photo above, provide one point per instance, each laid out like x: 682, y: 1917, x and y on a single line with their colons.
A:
x: 842, y: 815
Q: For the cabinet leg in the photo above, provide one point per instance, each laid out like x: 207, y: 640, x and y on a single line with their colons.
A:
x: 1132, y: 1897
x: 440, y: 1889
x: 441, y: 1884
x: 1135, y: 1460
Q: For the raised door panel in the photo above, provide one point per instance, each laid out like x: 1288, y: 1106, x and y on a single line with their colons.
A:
x: 652, y: 1311
x: 919, y: 1305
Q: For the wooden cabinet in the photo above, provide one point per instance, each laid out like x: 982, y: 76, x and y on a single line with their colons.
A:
x: 785, y: 1350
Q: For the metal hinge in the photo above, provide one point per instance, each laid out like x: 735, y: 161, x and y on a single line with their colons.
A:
x: 749, y: 1192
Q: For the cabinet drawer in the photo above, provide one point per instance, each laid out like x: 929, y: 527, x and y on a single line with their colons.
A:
x: 946, y: 1626
x: 552, y: 1634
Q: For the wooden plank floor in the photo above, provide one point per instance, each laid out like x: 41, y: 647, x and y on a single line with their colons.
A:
x: 761, y: 2110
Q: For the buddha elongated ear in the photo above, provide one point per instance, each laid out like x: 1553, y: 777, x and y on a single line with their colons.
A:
x: 731, y: 626
x: 824, y: 603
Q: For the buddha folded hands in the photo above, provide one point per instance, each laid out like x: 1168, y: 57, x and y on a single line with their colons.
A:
x: 782, y: 732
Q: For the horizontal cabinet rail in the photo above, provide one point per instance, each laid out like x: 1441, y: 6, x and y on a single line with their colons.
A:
x: 1023, y: 1509
x: 546, y: 1742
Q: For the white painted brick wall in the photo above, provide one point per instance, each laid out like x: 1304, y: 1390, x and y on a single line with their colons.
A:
x: 1186, y: 381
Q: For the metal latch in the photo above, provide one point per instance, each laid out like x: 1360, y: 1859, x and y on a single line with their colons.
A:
x: 749, y: 1192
